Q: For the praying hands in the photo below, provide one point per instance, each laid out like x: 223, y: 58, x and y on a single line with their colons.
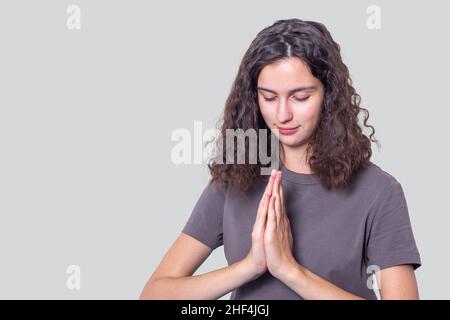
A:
x: 271, y: 236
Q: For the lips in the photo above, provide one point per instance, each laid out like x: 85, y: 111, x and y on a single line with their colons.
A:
x: 287, y: 131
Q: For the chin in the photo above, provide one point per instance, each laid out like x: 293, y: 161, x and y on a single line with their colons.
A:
x: 290, y: 141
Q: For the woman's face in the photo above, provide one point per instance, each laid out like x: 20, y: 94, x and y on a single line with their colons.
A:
x: 290, y: 97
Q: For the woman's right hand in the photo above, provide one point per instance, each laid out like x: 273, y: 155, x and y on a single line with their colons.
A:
x: 256, y: 258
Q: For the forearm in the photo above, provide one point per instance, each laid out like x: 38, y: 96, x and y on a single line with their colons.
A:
x: 308, y: 285
x: 208, y: 286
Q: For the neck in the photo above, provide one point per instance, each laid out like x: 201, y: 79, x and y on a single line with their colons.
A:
x: 294, y: 159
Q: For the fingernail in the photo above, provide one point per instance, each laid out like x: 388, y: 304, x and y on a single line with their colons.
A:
x: 273, y: 172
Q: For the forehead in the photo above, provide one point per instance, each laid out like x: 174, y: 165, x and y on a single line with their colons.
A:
x: 286, y: 74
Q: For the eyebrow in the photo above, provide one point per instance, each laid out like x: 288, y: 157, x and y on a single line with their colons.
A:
x: 291, y: 91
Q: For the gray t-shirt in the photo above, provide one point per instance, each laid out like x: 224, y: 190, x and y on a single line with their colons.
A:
x: 337, y: 234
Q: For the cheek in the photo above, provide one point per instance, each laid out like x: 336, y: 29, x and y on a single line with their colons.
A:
x: 311, y: 116
x: 312, y: 111
x: 302, y: 114
x: 267, y: 112
x: 308, y: 117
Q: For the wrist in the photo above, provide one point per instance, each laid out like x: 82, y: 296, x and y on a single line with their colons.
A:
x: 250, y: 272
x: 294, y: 273
x: 246, y: 268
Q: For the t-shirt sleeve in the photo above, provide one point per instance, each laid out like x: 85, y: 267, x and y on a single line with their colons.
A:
x: 205, y: 222
x: 391, y: 240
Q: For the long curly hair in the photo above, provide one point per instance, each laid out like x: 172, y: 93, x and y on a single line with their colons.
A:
x: 338, y: 148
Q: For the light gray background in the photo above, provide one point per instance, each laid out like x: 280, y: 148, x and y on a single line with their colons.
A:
x: 86, y: 118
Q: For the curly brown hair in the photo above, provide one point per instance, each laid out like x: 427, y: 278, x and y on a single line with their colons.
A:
x: 338, y: 148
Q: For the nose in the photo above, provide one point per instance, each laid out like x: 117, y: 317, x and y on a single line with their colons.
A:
x: 284, y: 112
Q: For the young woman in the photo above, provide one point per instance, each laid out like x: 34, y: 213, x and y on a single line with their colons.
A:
x: 321, y: 225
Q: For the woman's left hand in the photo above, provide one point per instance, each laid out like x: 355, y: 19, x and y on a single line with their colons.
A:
x: 278, y: 236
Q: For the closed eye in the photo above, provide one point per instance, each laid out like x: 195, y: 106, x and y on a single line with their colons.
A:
x: 297, y: 99
x: 304, y: 99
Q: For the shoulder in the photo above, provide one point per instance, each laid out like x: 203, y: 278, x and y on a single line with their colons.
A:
x: 214, y: 190
x: 374, y: 185
x: 379, y: 189
x: 374, y: 177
